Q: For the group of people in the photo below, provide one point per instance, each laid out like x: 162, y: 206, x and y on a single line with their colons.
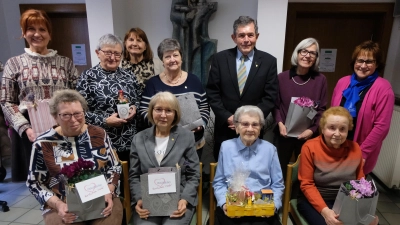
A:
x: 243, y: 88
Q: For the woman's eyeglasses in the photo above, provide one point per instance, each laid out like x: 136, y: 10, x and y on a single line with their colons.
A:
x: 68, y: 116
x: 247, y: 124
x: 369, y: 62
x: 110, y: 53
x: 167, y: 111
x: 304, y: 52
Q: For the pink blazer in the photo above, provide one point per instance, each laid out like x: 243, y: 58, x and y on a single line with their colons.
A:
x: 373, y: 119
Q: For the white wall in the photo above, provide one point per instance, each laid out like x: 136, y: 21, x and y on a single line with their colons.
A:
x: 12, y: 31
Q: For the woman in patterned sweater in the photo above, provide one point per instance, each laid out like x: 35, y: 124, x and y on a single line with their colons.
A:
x: 28, y: 78
x: 100, y: 86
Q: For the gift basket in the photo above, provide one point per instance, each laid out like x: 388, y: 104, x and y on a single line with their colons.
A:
x: 240, y: 201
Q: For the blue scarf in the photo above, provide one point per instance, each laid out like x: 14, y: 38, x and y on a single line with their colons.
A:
x: 352, y: 93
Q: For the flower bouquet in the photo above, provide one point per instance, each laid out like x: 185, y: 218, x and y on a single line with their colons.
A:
x: 83, y: 187
x: 356, y: 202
x: 240, y: 201
x: 300, y: 115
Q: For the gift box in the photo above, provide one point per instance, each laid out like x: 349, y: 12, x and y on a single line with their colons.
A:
x: 246, y: 203
x: 299, y: 118
x: 156, y: 186
x: 85, y: 211
x: 39, y: 115
x: 355, y: 210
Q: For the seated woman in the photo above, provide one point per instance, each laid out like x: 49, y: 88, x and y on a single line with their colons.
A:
x: 325, y: 162
x: 258, y: 156
x: 63, y: 145
x: 164, y: 145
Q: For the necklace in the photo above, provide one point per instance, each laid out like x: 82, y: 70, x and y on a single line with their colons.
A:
x: 302, y: 83
x: 170, y: 81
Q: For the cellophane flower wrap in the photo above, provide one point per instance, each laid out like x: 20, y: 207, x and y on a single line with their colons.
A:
x: 237, y: 191
x: 78, y: 171
x: 304, y: 102
x: 356, y: 202
x: 359, y: 189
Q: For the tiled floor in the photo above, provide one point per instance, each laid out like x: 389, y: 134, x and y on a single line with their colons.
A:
x: 24, y: 209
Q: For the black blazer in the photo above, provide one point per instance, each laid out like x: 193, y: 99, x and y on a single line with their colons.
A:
x: 180, y: 149
x: 261, y: 87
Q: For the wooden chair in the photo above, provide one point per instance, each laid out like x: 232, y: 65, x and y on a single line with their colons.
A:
x: 126, y: 201
x: 290, y: 197
x: 213, y: 167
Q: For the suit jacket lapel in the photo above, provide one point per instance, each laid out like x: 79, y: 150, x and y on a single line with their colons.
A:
x: 253, y: 71
x: 232, y: 69
x: 173, y: 136
x: 150, y: 145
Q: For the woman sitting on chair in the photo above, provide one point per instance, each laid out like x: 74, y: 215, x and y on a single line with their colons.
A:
x: 256, y: 155
x: 164, y: 145
x: 325, y: 162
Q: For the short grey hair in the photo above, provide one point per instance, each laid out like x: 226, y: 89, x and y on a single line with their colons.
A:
x: 249, y: 110
x: 168, y: 44
x: 303, y: 45
x: 110, y: 39
x: 243, y: 21
x: 63, y: 96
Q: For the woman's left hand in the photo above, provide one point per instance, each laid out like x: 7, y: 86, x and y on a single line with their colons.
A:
x: 181, y: 209
x: 132, y: 112
x: 305, y: 135
x: 109, y: 200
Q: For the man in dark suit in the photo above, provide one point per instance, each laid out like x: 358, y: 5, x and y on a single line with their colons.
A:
x: 240, y: 76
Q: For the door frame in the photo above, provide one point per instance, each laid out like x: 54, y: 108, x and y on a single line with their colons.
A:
x: 297, y: 8
x: 55, y: 8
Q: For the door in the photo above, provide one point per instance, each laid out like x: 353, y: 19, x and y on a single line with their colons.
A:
x: 340, y: 26
x: 69, y: 23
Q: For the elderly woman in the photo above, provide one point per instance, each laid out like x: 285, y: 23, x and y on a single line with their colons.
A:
x: 326, y: 162
x: 58, y: 147
x: 164, y: 145
x: 369, y: 99
x: 255, y: 155
x: 28, y: 78
x: 100, y: 86
x: 179, y: 83
x: 303, y: 79
x: 138, y: 57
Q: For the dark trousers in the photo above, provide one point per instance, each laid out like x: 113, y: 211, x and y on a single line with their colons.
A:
x: 286, y: 147
x: 222, y: 219
x: 309, y: 213
x: 21, y: 149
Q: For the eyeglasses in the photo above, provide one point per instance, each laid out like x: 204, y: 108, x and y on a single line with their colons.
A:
x: 247, y: 124
x: 161, y: 110
x: 68, y: 116
x: 110, y: 53
x: 304, y: 52
x: 369, y: 62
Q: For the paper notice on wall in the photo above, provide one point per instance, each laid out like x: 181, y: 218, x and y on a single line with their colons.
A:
x: 79, y: 54
x: 327, y: 60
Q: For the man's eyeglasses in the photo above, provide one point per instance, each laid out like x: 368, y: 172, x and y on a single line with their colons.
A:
x: 362, y: 61
x: 304, y: 52
x: 110, y: 53
x: 247, y: 124
x: 68, y: 116
x: 167, y: 111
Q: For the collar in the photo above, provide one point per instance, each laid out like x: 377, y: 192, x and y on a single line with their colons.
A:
x: 50, y: 54
x: 242, y: 147
x: 239, y: 54
x: 311, y: 73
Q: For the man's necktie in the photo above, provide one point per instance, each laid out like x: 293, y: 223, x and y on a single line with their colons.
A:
x: 241, y: 74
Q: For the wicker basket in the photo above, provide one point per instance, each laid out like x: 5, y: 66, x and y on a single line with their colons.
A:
x: 253, y: 210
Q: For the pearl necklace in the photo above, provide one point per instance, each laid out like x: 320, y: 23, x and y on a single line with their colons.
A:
x: 302, y: 83
x: 170, y: 81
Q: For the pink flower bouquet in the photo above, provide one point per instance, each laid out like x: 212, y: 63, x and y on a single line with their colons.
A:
x: 300, y: 116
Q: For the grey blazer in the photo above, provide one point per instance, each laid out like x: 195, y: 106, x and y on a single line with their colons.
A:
x: 181, y: 149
